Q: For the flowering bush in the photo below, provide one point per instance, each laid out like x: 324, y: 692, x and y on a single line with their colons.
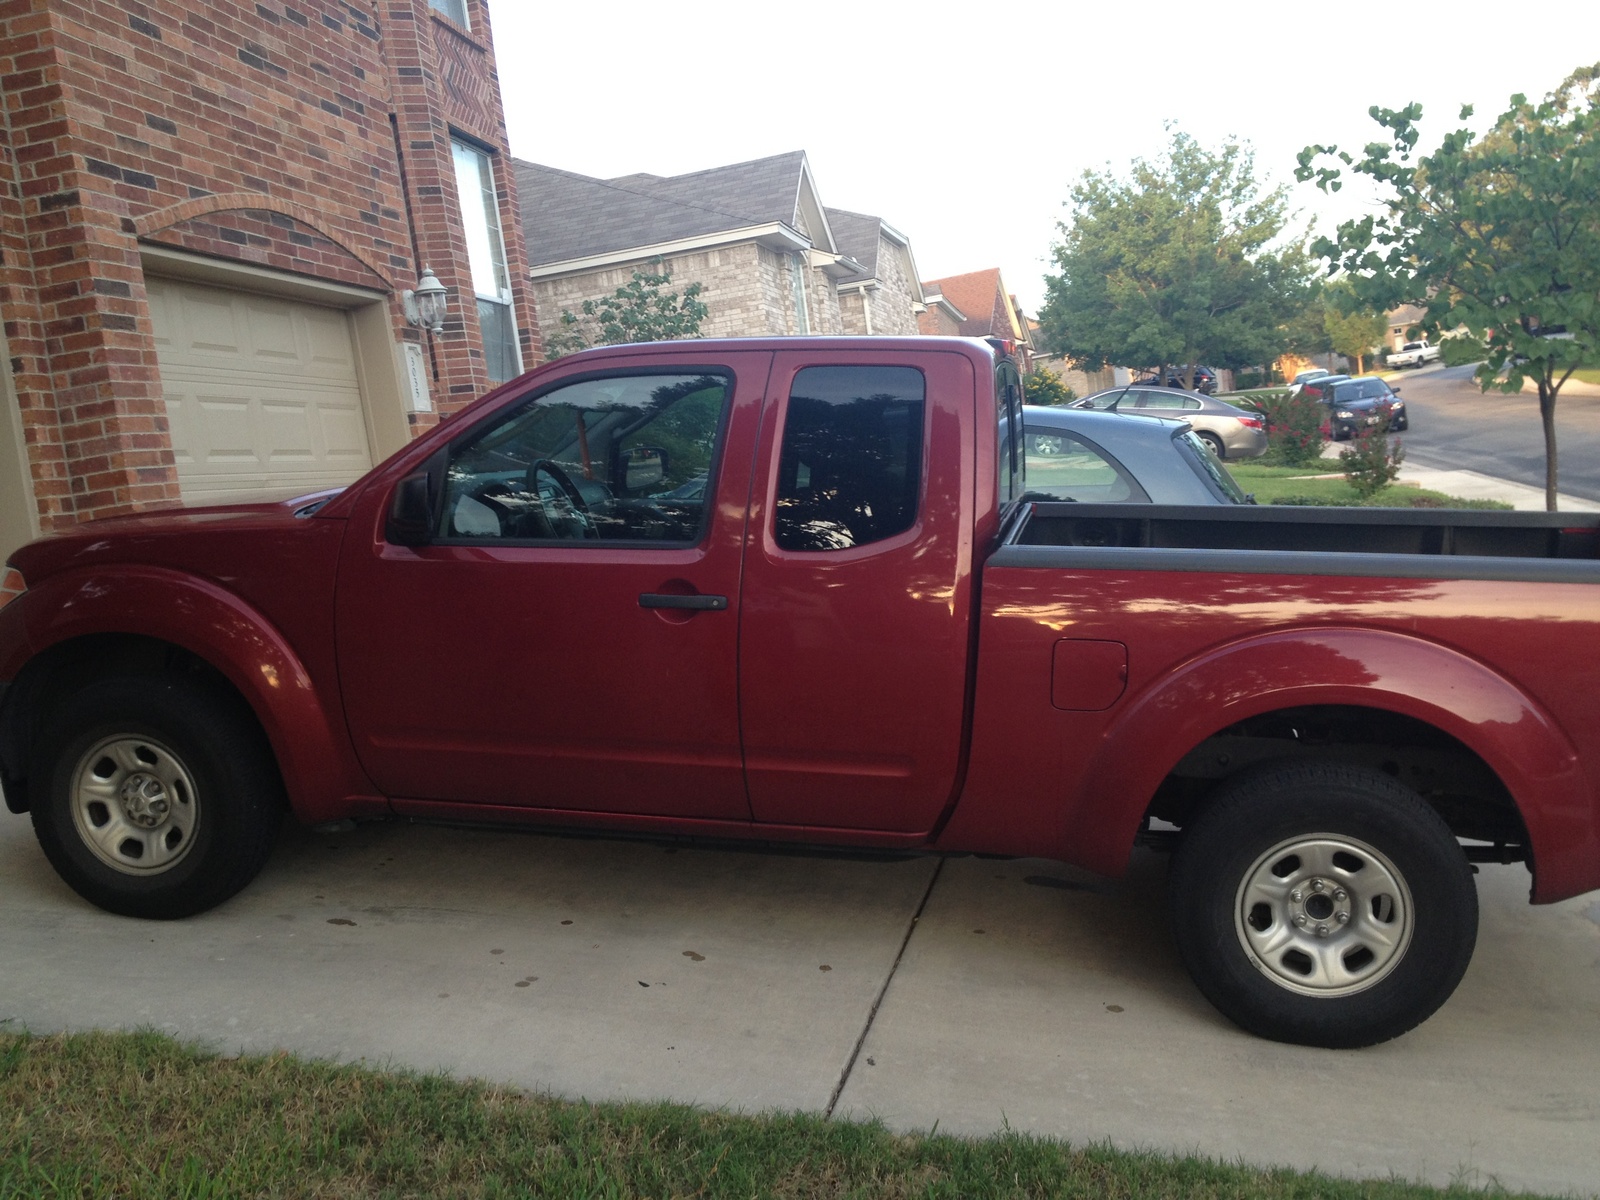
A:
x: 1372, y: 462
x: 1296, y: 426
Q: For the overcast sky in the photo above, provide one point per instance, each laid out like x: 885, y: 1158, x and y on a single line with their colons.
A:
x: 966, y: 133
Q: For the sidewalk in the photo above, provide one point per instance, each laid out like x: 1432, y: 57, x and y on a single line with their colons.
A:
x: 1474, y: 485
x: 1471, y: 485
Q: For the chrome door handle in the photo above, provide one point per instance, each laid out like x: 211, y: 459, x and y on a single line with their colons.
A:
x: 664, y: 600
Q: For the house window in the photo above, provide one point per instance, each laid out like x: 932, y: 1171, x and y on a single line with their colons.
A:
x: 486, y: 250
x: 456, y: 10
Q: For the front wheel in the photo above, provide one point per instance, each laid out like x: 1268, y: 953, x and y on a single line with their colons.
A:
x: 161, y: 798
x: 1323, y: 904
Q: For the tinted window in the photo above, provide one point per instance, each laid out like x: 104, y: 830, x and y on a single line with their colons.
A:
x: 1173, y: 400
x: 1206, y: 465
x: 1008, y: 402
x: 850, y: 469
x: 626, y: 458
x: 1070, y: 468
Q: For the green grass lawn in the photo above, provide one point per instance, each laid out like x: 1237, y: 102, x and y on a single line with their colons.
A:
x: 1322, y: 482
x: 137, y: 1115
x: 1587, y: 374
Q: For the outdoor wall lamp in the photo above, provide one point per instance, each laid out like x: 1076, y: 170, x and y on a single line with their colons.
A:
x: 425, y: 306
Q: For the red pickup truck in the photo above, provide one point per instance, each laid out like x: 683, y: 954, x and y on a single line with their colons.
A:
x: 795, y: 591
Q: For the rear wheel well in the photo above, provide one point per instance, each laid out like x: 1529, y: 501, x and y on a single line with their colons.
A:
x: 1462, y: 788
x: 51, y: 677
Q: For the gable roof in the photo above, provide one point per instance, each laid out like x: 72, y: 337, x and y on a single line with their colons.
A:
x: 860, y: 238
x: 982, y: 296
x: 567, y: 216
x: 857, y: 236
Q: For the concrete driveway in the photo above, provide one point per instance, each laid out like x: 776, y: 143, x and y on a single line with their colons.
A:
x: 972, y: 993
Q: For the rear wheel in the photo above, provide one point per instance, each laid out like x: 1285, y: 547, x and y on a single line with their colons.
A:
x: 1212, y: 441
x: 161, y: 798
x: 1323, y: 904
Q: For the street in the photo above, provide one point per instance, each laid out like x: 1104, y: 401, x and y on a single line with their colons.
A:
x: 1455, y: 425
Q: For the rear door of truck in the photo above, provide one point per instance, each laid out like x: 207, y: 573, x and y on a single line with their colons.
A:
x: 855, y: 628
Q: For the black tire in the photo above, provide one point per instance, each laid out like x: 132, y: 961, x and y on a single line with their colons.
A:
x: 1419, y: 895
x: 1212, y: 441
x: 178, y: 780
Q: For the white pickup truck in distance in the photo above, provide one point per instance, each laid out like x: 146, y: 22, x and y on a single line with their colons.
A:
x: 1414, y: 354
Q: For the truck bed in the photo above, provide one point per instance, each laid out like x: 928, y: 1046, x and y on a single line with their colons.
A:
x: 1401, y: 542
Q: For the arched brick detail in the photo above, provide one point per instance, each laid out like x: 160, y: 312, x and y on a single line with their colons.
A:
x: 175, y: 214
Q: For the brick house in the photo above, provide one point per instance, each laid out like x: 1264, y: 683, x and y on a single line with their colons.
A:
x: 771, y: 259
x: 210, y: 215
x: 883, y: 297
x: 939, y: 317
x: 987, y: 308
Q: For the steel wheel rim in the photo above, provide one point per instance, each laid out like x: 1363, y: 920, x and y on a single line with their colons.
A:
x: 134, y: 805
x: 1324, y: 915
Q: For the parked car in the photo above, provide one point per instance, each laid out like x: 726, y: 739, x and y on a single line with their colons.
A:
x: 1229, y: 431
x: 1414, y: 354
x: 856, y: 633
x: 1356, y: 405
x: 1307, y: 376
x: 1108, y: 457
x: 1205, y: 379
x: 1317, y: 386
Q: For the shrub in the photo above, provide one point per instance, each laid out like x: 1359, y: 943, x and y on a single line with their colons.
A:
x: 1294, y: 426
x: 1042, y: 386
x: 1371, y: 463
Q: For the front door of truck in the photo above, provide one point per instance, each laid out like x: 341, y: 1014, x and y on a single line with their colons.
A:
x: 857, y: 598
x: 568, y: 637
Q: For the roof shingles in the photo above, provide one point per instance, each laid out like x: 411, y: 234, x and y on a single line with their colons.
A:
x: 567, y: 216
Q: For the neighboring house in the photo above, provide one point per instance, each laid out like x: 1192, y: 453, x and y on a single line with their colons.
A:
x: 209, y: 217
x: 885, y: 295
x: 938, y: 318
x: 754, y: 235
x: 1401, y: 319
x: 988, y: 309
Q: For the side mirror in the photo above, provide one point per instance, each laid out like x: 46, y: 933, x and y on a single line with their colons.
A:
x: 411, y: 512
x: 644, y: 467
x: 1395, y: 388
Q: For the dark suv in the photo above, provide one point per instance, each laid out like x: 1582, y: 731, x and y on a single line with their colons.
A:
x: 1205, y: 379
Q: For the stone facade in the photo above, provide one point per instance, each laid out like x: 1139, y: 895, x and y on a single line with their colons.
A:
x: 888, y: 309
x: 747, y: 288
x: 308, y: 139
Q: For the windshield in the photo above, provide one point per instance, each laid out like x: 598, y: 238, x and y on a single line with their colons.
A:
x: 1209, y: 467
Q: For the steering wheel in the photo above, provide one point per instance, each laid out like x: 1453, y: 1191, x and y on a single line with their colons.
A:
x: 566, y: 508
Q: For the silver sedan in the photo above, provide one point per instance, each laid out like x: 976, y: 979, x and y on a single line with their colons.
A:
x: 1108, y: 457
x: 1230, y: 432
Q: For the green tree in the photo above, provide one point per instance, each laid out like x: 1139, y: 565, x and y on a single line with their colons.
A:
x: 1042, y: 386
x: 1175, y: 264
x: 1352, y: 330
x: 1499, y: 236
x: 638, y: 311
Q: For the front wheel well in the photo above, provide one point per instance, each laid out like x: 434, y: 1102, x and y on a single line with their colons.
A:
x: 1458, y: 784
x: 59, y: 672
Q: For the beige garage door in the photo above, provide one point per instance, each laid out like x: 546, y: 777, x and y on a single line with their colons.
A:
x: 262, y: 393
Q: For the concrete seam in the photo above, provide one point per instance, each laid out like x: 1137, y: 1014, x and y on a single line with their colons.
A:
x: 872, y: 1013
